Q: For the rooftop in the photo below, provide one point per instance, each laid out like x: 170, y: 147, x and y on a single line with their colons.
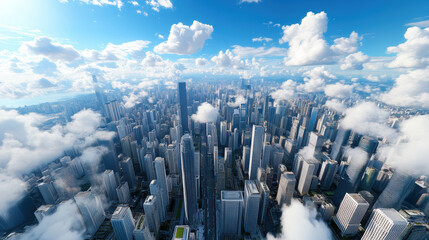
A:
x: 358, y: 198
x: 119, y: 212
x: 232, y: 195
x: 392, y: 214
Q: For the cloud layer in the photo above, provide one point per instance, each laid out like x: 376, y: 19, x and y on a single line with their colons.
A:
x: 205, y: 113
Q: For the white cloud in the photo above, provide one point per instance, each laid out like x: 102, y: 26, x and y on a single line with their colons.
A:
x: 338, y: 90
x: 152, y: 60
x: 307, y: 45
x: 156, y: 4
x: 228, y: 59
x: 414, y: 52
x: 250, y: 1
x: 112, y: 52
x: 300, y: 222
x: 12, y: 189
x: 262, y: 39
x: 101, y: 3
x: 134, y: 99
x: 314, y: 79
x: 286, y: 91
x: 335, y: 105
x: 160, y: 36
x: 201, y: 61
x: 185, y: 39
x: 54, y: 51
x: 139, y: 11
x: 422, y: 24
x: 205, y: 113
x: 354, y: 61
x: 238, y: 100
x: 259, y: 51
x: 410, y: 89
x: 134, y: 3
x: 372, y: 78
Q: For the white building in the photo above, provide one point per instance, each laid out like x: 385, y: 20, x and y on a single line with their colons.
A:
x: 123, y: 223
x: 232, y: 203
x: 385, y: 224
x: 255, y: 151
x: 286, y: 188
x: 252, y: 198
x: 350, y: 213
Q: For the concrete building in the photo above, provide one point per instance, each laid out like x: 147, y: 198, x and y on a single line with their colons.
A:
x: 91, y: 209
x: 188, y: 178
x: 385, y: 224
x: 151, y: 212
x: 350, y: 213
x: 123, y: 193
x: 252, y: 198
x: 232, y: 203
x: 123, y: 223
x: 142, y: 231
x: 306, y: 177
x: 286, y: 188
x: 255, y: 151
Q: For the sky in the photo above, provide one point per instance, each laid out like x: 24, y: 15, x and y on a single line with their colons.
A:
x: 49, y: 47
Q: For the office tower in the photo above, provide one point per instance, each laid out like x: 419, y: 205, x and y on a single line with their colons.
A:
x: 281, y: 169
x: 220, y: 179
x: 182, y: 232
x: 197, y: 172
x: 396, y: 191
x: 110, y: 184
x: 327, y: 173
x: 263, y: 205
x: 101, y: 98
x: 277, y: 155
x: 91, y: 210
x: 294, y: 129
x: 297, y: 165
x: 48, y: 192
x: 243, y: 116
x: 246, y: 159
x: 302, y: 137
x: 368, y: 178
x: 385, y: 224
x: 123, y: 223
x: 418, y: 227
x: 223, y: 133
x: 43, y: 211
x: 215, y: 159
x: 114, y: 112
x: 235, y: 120
x: 149, y: 169
x: 252, y: 198
x: 290, y: 150
x: 142, y: 231
x: 155, y: 191
x: 315, y: 143
x: 266, y: 154
x: 162, y: 180
x: 327, y: 210
x: 368, y: 144
x: 262, y: 175
x: 383, y: 178
x: 306, y: 176
x: 123, y: 193
x: 350, y: 213
x: 126, y: 146
x: 341, y: 139
x: 151, y: 212
x: 188, y: 179
x: 255, y: 151
x: 232, y: 203
x: 286, y: 188
x: 172, y: 159
x: 183, y: 103
x: 129, y: 174
x: 313, y: 119
x: 110, y: 158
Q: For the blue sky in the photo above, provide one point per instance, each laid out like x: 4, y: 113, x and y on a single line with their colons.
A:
x: 53, y: 46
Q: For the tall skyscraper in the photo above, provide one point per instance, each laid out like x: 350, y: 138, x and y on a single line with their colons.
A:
x: 142, y: 231
x: 327, y: 173
x: 306, y: 177
x: 255, y: 151
x: 385, y: 224
x: 48, y: 192
x: 313, y: 119
x: 151, y: 212
x: 286, y: 188
x: 341, y: 139
x: 101, y: 98
x: 91, y: 210
x: 223, y: 133
x: 396, y: 191
x: 188, y: 179
x: 263, y: 205
x: 183, y: 102
x: 123, y: 192
x: 350, y: 213
x: 161, y: 178
x: 110, y: 184
x: 123, y: 223
x: 129, y: 174
x: 232, y: 212
x: 155, y: 191
x: 252, y: 198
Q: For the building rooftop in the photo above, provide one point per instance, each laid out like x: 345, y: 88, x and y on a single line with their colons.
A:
x: 251, y: 187
x: 232, y: 195
x: 140, y: 222
x: 181, y: 232
x: 119, y: 212
x: 358, y: 198
x: 392, y: 214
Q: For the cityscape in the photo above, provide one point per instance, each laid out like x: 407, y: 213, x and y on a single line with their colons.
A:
x: 109, y: 133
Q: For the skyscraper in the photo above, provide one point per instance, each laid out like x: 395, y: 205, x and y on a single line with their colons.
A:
x: 396, y: 191
x: 252, y: 198
x: 142, y: 231
x: 350, y: 213
x: 151, y: 212
x: 91, y: 210
x: 327, y: 173
x: 48, y: 192
x: 255, y: 151
x: 232, y: 212
x: 123, y: 223
x: 263, y: 205
x: 123, y: 192
x: 188, y: 179
x: 306, y: 177
x: 385, y: 224
x: 129, y: 174
x: 162, y: 181
x: 340, y: 140
x: 110, y: 184
x: 183, y: 102
x: 155, y: 191
x: 286, y: 188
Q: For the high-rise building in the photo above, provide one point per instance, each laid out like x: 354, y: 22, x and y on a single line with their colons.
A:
x: 313, y: 119
x: 223, y: 133
x: 286, y: 188
x: 306, y: 176
x: 123, y: 223
x: 91, y: 209
x: 396, y: 191
x: 129, y: 174
x: 44, y: 211
x: 101, y: 98
x: 123, y: 193
x: 368, y: 178
x: 350, y: 213
x: 155, y: 191
x: 255, y: 151
x: 385, y: 224
x: 327, y: 173
x: 48, y: 192
x: 188, y: 179
x: 232, y: 212
x: 263, y: 205
x: 142, y: 231
x: 162, y: 181
x: 151, y: 212
x: 148, y: 167
x: 246, y: 159
x: 183, y: 103
x: 341, y: 139
x: 110, y: 184
x: 182, y: 232
x: 252, y: 198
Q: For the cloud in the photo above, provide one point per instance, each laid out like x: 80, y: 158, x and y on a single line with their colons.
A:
x: 45, y: 67
x: 262, y: 39
x: 238, y: 100
x: 152, y: 60
x: 228, y: 59
x: 335, y: 105
x: 413, y: 53
x: 368, y: 119
x: 134, y: 3
x: 156, y: 4
x: 354, y: 61
x: 113, y: 52
x: 201, y: 61
x: 54, y: 51
x: 338, y: 90
x: 421, y: 24
x: 134, y: 99
x: 250, y: 1
x: 410, y: 89
x: 12, y: 189
x: 259, y: 51
x: 185, y: 39
x: 205, y: 113
x: 300, y: 222
x: 314, y: 79
x: 101, y: 3
x: 307, y: 45
x: 43, y: 83
x: 286, y: 91
x: 66, y: 222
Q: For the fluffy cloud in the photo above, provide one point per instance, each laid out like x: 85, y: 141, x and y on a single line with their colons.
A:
x: 228, y: 59
x: 300, y: 222
x: 113, y: 52
x: 152, y: 60
x: 12, y: 189
x: 54, y: 51
x: 156, y: 4
x: 307, y: 45
x: 250, y: 1
x: 134, y: 99
x: 205, y: 113
x: 335, y: 105
x: 101, y: 3
x: 200, y: 61
x: 354, y: 61
x: 414, y: 52
x: 314, y: 79
x: 338, y: 90
x: 366, y: 118
x: 286, y: 91
x: 410, y: 89
x: 262, y: 39
x: 259, y: 51
x: 238, y: 100
x: 185, y: 39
